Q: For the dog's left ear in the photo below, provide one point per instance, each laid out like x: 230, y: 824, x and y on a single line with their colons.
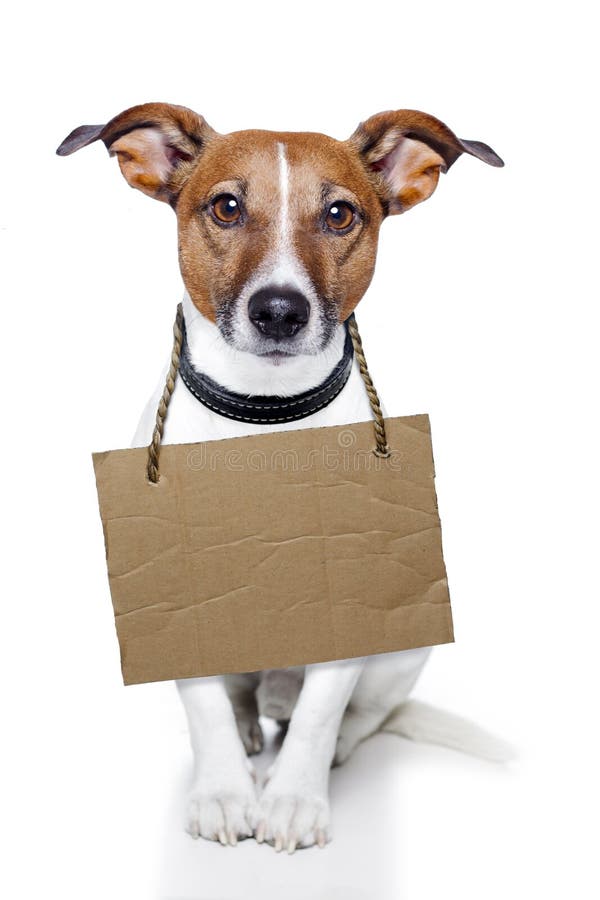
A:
x: 405, y: 151
x: 156, y: 144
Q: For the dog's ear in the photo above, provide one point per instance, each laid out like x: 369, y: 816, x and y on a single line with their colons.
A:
x: 405, y: 151
x: 156, y: 144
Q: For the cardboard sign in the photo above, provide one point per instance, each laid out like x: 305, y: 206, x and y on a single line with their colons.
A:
x: 274, y: 550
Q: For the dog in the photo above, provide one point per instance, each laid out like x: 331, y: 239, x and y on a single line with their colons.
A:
x: 277, y: 237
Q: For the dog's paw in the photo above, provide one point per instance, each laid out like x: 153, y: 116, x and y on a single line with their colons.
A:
x: 222, y: 809
x: 292, y: 819
x: 251, y: 734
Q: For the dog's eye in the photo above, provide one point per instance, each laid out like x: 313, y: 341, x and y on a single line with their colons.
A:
x: 226, y: 209
x: 340, y: 216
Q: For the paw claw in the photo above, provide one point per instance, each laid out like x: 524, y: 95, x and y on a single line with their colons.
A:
x: 291, y: 818
x: 223, y: 811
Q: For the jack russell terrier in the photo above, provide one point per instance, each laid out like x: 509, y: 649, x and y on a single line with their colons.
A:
x: 278, y: 235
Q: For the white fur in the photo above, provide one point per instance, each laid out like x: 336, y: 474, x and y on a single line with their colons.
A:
x: 421, y: 722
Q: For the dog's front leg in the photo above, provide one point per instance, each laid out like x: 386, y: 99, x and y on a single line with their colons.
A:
x: 222, y: 803
x: 294, y: 807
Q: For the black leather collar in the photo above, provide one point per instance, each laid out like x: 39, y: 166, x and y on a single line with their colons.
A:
x: 259, y: 408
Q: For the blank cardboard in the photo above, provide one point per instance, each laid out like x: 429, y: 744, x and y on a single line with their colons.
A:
x: 274, y: 550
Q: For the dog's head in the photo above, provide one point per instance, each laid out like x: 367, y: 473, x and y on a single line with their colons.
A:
x: 278, y: 231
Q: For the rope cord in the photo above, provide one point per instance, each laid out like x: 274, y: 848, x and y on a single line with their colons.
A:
x: 161, y: 412
x: 382, y: 448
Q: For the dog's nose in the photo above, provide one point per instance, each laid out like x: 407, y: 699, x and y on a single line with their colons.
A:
x: 278, y: 312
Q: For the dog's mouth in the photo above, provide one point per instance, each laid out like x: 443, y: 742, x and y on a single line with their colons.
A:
x: 277, y: 356
x: 277, y: 349
x: 281, y: 351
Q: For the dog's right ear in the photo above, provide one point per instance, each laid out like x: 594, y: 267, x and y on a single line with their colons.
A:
x: 156, y: 144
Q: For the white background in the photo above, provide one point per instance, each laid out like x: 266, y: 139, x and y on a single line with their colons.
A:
x: 482, y: 313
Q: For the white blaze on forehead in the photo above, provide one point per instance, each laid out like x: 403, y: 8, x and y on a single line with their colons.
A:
x: 286, y: 268
x: 284, y: 190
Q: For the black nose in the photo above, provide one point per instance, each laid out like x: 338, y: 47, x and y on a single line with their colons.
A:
x: 278, y: 312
